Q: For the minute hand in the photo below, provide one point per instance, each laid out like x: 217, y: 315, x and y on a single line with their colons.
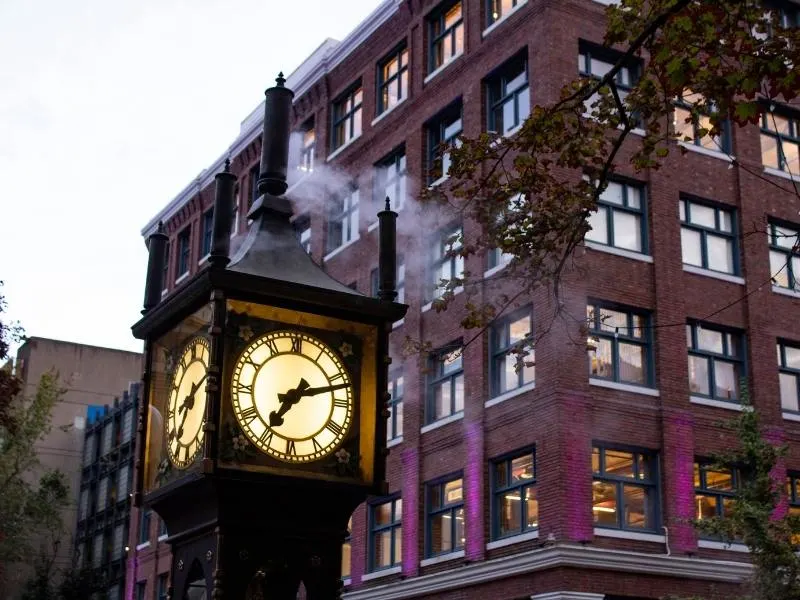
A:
x: 320, y: 390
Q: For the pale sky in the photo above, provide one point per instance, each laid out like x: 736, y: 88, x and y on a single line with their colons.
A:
x: 108, y: 108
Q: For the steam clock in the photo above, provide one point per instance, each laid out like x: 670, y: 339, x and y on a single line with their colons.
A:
x: 264, y: 421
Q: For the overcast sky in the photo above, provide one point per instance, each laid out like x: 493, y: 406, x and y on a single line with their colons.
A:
x: 108, y: 108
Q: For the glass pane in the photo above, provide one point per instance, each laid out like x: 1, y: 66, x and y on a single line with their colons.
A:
x: 452, y: 15
x: 725, y: 221
x: 690, y: 246
x: 636, y: 509
x: 524, y: 104
x: 451, y: 362
x: 509, y: 119
x: 727, y: 380
x: 441, y: 400
x: 522, y: 468
x: 697, y: 482
x: 531, y: 507
x: 604, y: 504
x: 785, y: 237
x: 460, y: 528
x: 643, y: 466
x: 517, y: 330
x: 356, y: 123
x: 727, y: 506
x: 382, y: 549
x: 398, y: 544
x: 382, y: 514
x: 703, y: 215
x: 631, y: 363
x: 509, y: 377
x: 500, y: 471
x: 458, y: 404
x: 619, y: 464
x: 779, y: 270
x: 441, y: 533
x: 453, y: 492
x: 683, y: 130
x: 698, y: 375
x: 601, y: 359
x: 634, y: 197
x: 346, y: 550
x: 720, y: 253
x: 792, y: 357
x: 595, y: 460
x: 398, y: 423
x: 510, y: 512
x: 613, y: 321
x: 789, y: 399
x: 598, y: 222
x: 627, y: 231
x: 708, y: 339
x: 598, y: 67
x: 613, y: 194
x: 790, y: 157
x: 769, y: 151
x: 706, y: 507
x: 719, y: 480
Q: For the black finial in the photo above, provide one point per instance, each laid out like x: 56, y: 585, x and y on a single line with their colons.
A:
x: 280, y: 80
x: 160, y: 228
x: 227, y: 168
x: 388, y: 204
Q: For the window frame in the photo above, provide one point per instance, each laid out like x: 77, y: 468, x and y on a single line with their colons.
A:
x: 437, y: 376
x: 498, y: 354
x: 446, y: 251
x: 510, y: 487
x: 165, y: 269
x: 391, y: 171
x: 496, y: 98
x: 793, y: 137
x: 652, y: 484
x: 207, y: 232
x: 350, y: 199
x: 252, y: 181
x: 491, y: 19
x: 162, y: 586
x: 784, y: 369
x: 793, y: 491
x: 589, y: 50
x: 611, y: 208
x: 430, y: 513
x: 184, y: 254
x: 700, y: 469
x: 302, y: 229
x: 394, y: 426
x: 645, y: 341
x: 394, y: 527
x: 724, y: 144
x: 340, y: 113
x: 383, y: 83
x: 307, y: 152
x: 685, y: 208
x: 144, y: 526
x: 738, y: 339
x: 437, y: 19
x: 790, y: 256
x: 437, y: 138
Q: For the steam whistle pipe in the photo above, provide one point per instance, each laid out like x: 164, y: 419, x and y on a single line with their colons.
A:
x: 157, y: 250
x: 387, y: 253
x: 275, y: 141
x: 223, y: 215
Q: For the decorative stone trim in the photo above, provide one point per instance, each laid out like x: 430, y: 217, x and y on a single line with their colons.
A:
x: 514, y: 539
x: 640, y: 536
x: 508, y: 395
x: 442, y: 422
x: 381, y: 573
x: 435, y: 560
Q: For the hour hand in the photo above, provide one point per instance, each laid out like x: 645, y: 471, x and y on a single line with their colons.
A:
x: 321, y: 390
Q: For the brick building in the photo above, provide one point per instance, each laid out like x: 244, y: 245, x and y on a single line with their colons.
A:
x: 573, y: 480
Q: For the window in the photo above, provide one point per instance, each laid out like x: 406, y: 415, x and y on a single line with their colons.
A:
x: 347, y: 117
x: 443, y: 132
x: 625, y: 489
x: 445, y: 384
x: 165, y: 269
x: 506, y: 226
x: 90, y: 449
x: 83, y: 506
x: 117, y: 550
x: 97, y: 550
x: 508, y: 97
x: 506, y: 338
x: 144, y: 526
x: 235, y: 211
x: 252, y: 184
x: 501, y: 8
x: 620, y: 220
x: 515, y: 508
x: 445, y: 517
x: 784, y: 256
x: 163, y: 586
x: 619, y: 344
x: 122, y: 483
x: 385, y: 534
x: 394, y: 426
x: 692, y: 122
x: 595, y: 62
x: 446, y: 262
x: 127, y: 425
x: 307, y: 147
x: 183, y: 251
x: 108, y: 437
x: 141, y: 590
x: 393, y: 79
x: 714, y: 490
x: 789, y: 366
x: 347, y: 551
x: 400, y: 281
x: 302, y: 228
x: 208, y: 224
x: 114, y: 592
x: 162, y: 528
x: 715, y: 361
x: 793, y: 493
x: 390, y: 180
x: 446, y: 35
x: 708, y: 237
x: 342, y: 220
x: 780, y: 142
x: 102, y: 494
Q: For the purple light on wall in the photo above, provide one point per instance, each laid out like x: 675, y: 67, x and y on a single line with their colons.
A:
x: 680, y: 467
x: 409, y: 461
x: 577, y: 470
x: 130, y: 576
x: 473, y: 482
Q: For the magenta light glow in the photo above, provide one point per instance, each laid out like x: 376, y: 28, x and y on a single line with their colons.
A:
x: 411, y: 507
x: 473, y: 480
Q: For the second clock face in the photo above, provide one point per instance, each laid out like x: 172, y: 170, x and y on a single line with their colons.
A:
x: 292, y: 396
x: 187, y: 404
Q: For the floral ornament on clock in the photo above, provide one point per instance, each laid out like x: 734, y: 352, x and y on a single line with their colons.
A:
x: 234, y: 445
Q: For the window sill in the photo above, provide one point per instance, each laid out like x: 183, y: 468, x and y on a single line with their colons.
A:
x: 346, y: 581
x: 341, y: 248
x: 790, y: 416
x: 629, y: 535
x: 781, y: 174
x: 624, y: 387
x: 619, y: 252
x: 438, y: 182
x: 434, y: 560
x: 397, y: 324
x: 442, y: 422
x: 502, y: 19
x: 382, y: 573
x: 510, y: 394
x: 182, y: 278
x: 494, y: 270
x: 728, y: 405
x: 342, y: 148
x: 718, y: 154
x: 164, y: 292
x: 142, y: 546
x: 716, y: 275
x: 786, y: 291
x: 161, y: 538
x: 514, y: 539
x: 203, y: 260
x: 442, y: 68
x: 429, y: 305
x: 396, y: 441
x: 713, y: 545
x: 388, y: 111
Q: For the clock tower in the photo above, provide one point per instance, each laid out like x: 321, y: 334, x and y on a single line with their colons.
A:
x: 264, y: 419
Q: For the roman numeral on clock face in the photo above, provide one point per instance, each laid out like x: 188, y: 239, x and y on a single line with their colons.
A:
x: 290, y: 448
x: 317, y: 446
x: 336, y: 377
x: 273, y: 347
x: 334, y: 428
x: 340, y: 402
x: 244, y: 388
x: 249, y: 414
x: 297, y: 344
x: 266, y: 438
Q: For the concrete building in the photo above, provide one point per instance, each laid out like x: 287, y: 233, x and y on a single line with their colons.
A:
x: 573, y: 480
x: 91, y: 377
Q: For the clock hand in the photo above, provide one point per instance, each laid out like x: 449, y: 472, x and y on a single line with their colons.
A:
x: 188, y: 404
x: 196, y: 386
x: 320, y: 390
x: 287, y: 400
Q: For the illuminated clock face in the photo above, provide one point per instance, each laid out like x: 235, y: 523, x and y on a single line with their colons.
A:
x: 187, y: 404
x: 292, y: 396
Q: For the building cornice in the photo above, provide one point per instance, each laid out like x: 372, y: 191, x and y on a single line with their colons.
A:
x: 324, y: 59
x: 557, y: 556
